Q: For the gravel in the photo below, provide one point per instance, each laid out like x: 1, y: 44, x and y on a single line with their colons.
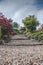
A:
x: 21, y: 55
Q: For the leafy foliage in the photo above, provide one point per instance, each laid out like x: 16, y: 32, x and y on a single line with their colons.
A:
x: 30, y: 23
x: 5, y: 23
x: 16, y: 25
x: 38, y: 35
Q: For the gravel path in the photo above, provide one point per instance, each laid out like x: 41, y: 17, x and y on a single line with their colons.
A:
x: 21, y: 55
x: 22, y: 40
x: 19, y: 36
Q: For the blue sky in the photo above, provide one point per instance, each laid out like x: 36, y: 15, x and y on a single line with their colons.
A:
x: 19, y: 9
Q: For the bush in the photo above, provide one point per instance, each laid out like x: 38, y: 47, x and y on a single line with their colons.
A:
x: 38, y: 34
x: 35, y: 35
x: 20, y: 32
x: 40, y: 37
x: 29, y: 35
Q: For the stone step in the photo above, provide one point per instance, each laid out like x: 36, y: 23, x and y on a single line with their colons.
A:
x: 23, y: 43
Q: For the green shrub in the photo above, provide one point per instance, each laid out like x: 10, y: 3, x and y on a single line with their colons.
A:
x: 29, y: 35
x: 40, y: 37
x: 35, y: 35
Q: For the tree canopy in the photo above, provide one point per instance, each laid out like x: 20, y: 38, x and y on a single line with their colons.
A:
x: 16, y: 25
x: 31, y: 23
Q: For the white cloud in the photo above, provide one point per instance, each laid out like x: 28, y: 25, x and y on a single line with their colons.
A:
x: 7, y: 7
x: 26, y: 11
x: 40, y: 16
x: 19, y: 9
x: 23, y: 12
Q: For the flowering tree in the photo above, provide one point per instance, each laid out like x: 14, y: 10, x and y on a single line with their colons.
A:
x: 5, y: 24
